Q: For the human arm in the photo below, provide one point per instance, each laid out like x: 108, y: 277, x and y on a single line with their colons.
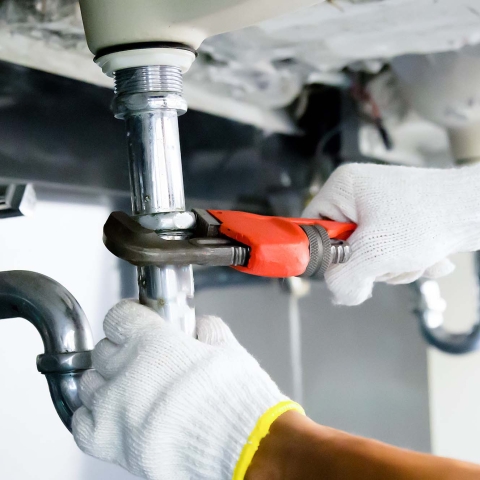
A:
x: 410, y: 220
x: 299, y: 449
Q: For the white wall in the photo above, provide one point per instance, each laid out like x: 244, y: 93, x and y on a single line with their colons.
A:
x: 63, y: 241
x: 455, y: 381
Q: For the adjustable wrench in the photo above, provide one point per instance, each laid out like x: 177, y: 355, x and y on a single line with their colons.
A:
x: 259, y: 245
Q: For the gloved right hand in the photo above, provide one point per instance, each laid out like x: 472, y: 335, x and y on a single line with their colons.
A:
x: 170, y: 407
x: 409, y: 221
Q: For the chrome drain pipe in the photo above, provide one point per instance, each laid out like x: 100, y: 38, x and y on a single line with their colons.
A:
x: 430, y: 308
x: 150, y: 100
x: 64, y: 329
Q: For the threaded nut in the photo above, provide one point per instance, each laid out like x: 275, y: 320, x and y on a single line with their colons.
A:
x: 156, y: 78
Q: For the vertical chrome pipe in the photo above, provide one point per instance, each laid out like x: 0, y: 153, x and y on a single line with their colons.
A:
x: 155, y: 162
x: 149, y: 99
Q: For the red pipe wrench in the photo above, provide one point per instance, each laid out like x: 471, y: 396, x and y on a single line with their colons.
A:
x: 286, y: 247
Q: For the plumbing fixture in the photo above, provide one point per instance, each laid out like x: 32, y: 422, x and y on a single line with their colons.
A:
x: 430, y: 309
x: 149, y: 28
x: 146, y: 46
x: 149, y: 99
x: 64, y: 329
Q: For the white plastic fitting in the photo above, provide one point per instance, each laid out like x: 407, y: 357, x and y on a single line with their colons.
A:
x: 173, y: 57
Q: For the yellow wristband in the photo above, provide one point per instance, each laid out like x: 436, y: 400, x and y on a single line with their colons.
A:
x: 259, y: 433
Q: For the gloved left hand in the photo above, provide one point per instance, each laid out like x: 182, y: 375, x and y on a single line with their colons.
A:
x: 167, y: 406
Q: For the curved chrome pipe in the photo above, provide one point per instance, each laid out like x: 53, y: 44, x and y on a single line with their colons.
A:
x: 64, y: 329
x: 430, y: 311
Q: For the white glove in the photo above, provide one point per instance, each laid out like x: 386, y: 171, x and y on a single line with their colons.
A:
x: 166, y: 406
x: 409, y: 221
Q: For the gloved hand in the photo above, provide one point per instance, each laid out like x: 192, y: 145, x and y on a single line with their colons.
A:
x: 409, y: 221
x: 167, y: 406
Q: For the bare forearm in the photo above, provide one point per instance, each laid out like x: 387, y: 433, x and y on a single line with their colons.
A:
x: 299, y: 449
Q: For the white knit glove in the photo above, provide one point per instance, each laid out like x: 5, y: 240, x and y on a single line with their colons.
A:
x: 409, y: 221
x: 166, y: 406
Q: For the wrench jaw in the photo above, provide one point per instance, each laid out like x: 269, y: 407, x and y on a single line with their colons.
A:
x: 141, y: 246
